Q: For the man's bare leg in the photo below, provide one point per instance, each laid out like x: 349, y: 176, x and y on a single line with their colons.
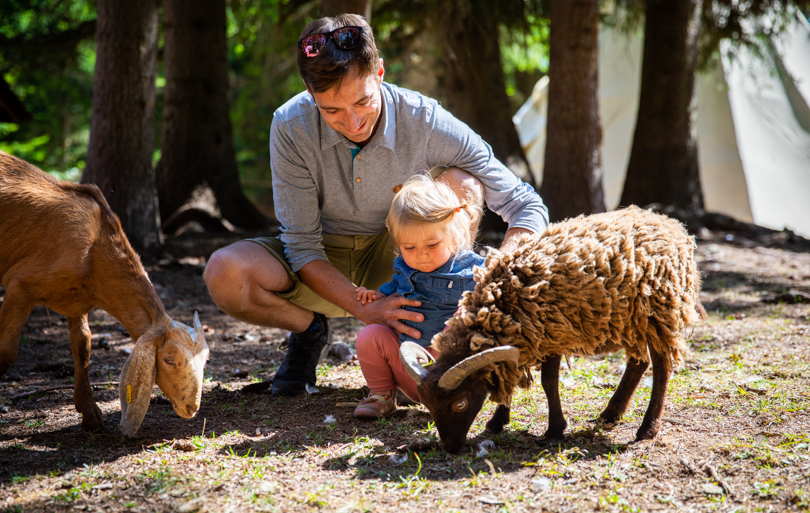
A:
x: 243, y: 279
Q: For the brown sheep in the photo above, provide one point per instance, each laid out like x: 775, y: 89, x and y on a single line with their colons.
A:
x: 595, y: 284
x: 63, y: 248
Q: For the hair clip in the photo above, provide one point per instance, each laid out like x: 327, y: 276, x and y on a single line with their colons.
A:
x: 457, y: 209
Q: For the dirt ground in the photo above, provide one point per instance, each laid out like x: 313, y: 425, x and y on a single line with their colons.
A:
x: 736, y: 435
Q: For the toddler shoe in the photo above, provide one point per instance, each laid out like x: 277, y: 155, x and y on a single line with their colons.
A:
x: 376, y: 406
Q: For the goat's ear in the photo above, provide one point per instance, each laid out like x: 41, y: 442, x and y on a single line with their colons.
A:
x: 198, y: 327
x: 137, y: 379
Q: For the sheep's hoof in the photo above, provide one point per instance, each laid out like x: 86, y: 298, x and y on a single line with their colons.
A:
x: 550, y: 440
x: 603, y: 423
x: 648, y: 433
x: 493, y: 429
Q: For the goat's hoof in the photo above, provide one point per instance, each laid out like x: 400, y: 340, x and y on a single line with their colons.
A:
x: 93, y: 421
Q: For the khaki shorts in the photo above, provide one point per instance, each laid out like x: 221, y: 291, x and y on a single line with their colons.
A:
x: 366, y: 260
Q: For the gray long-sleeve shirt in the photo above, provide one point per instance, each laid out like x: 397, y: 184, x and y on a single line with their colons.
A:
x: 318, y: 188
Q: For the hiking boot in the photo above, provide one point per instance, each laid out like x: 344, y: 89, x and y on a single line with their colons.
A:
x: 376, y: 406
x: 306, y: 350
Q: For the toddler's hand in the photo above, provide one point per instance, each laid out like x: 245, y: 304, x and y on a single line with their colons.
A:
x: 365, y: 295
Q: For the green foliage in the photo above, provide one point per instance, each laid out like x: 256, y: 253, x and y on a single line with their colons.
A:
x: 741, y: 23
x: 47, y: 56
x: 262, y: 49
x: 408, y: 36
x: 48, y: 53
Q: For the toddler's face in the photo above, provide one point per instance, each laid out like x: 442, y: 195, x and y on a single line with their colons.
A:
x: 426, y: 247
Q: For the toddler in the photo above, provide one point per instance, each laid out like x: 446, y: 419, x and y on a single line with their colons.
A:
x: 433, y: 232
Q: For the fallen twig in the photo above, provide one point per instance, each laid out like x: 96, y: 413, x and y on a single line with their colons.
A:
x: 712, y: 472
x: 691, y: 468
x: 58, y: 387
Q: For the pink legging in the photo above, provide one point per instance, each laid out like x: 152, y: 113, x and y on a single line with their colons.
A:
x: 378, y: 352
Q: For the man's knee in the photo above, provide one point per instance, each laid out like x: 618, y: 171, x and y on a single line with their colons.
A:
x: 222, y: 276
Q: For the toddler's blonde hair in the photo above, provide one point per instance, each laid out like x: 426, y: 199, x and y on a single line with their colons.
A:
x: 424, y: 200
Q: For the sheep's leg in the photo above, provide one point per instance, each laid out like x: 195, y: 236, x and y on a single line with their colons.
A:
x: 499, y: 419
x: 624, y: 392
x: 13, y: 314
x: 550, y: 379
x: 92, y: 419
x: 662, y: 369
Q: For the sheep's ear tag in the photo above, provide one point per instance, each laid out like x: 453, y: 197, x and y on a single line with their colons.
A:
x: 129, y: 393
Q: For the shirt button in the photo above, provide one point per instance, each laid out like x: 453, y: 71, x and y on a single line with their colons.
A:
x: 359, y: 157
x: 358, y: 180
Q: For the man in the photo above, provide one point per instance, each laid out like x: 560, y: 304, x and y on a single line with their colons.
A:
x: 338, y: 152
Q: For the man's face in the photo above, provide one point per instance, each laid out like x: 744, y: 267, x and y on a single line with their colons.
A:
x: 353, y: 108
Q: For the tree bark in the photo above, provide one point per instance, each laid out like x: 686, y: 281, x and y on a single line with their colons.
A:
x: 472, y: 78
x: 197, y: 155
x: 663, y: 165
x: 119, y: 154
x: 335, y: 7
x: 572, y: 173
x: 473, y: 86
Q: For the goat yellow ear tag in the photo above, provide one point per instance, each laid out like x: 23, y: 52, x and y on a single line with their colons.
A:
x: 129, y: 393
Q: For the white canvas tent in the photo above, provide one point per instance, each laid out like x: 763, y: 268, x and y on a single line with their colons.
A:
x: 753, y: 128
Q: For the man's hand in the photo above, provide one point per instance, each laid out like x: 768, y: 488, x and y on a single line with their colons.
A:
x: 326, y: 281
x: 512, y: 238
x: 389, y: 312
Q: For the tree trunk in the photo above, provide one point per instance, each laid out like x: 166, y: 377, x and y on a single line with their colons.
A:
x: 663, y: 165
x: 572, y: 173
x: 197, y: 155
x: 122, y: 136
x: 474, y: 87
x: 335, y: 7
x: 472, y: 79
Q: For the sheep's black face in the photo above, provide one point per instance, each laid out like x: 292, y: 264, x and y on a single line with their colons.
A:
x: 453, y: 412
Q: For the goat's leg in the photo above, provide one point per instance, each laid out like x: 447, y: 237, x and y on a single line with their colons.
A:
x: 13, y: 314
x: 499, y: 419
x: 550, y: 379
x: 92, y: 419
x: 624, y: 392
x: 662, y: 369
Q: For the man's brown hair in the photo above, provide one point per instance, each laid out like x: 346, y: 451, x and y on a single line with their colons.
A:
x: 331, y: 65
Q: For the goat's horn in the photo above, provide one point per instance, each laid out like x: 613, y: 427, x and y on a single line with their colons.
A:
x: 197, y: 320
x: 451, y: 379
x: 412, y: 356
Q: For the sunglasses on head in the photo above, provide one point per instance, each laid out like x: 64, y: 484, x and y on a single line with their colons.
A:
x: 344, y: 38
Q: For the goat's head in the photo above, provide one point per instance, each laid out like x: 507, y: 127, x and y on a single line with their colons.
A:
x: 453, y: 397
x: 172, y: 355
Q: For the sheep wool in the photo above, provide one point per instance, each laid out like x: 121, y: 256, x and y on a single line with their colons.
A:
x: 589, y: 285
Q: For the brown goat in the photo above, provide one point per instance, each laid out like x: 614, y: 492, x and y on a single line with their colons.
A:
x: 62, y: 247
x: 591, y: 285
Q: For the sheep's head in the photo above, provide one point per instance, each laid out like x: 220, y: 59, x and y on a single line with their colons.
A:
x: 172, y: 355
x: 456, y: 396
x: 180, y: 363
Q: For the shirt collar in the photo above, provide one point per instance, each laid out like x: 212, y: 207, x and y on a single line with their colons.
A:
x: 384, y: 136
